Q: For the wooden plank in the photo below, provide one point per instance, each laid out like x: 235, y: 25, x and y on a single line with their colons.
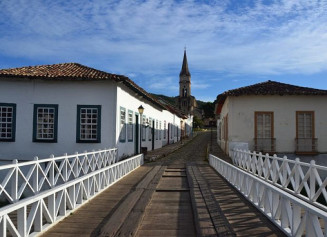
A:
x: 199, y: 207
x: 89, y: 218
x: 245, y: 219
x: 118, y: 218
x: 169, y: 212
x: 130, y: 225
x: 209, y: 214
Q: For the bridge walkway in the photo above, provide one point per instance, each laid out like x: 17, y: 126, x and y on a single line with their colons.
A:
x: 177, y: 195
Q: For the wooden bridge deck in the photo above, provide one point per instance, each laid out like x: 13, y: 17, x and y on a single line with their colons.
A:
x: 178, y: 195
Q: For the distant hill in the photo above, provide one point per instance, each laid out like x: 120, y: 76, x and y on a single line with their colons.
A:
x: 207, y: 107
x: 171, y: 100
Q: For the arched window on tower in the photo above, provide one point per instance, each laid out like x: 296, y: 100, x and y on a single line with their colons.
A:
x: 184, y: 92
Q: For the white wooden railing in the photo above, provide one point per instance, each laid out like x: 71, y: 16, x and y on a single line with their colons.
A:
x: 292, y: 215
x: 307, y: 181
x: 21, y: 180
x: 35, y: 214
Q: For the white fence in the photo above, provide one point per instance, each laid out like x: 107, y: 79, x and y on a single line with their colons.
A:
x: 25, y: 179
x: 305, y: 180
x: 291, y: 214
x: 35, y: 214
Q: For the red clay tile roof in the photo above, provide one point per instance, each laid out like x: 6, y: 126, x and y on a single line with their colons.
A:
x: 57, y: 71
x: 74, y: 71
x: 270, y: 88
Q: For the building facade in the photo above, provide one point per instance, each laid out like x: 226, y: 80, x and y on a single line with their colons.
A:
x: 68, y: 108
x: 273, y: 117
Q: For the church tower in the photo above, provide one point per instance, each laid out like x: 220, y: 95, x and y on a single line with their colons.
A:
x: 185, y: 100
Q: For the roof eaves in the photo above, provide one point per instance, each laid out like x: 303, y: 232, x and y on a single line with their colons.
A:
x: 129, y: 83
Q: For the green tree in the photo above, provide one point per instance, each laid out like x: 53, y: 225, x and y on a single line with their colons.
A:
x: 209, y: 110
x: 197, y: 123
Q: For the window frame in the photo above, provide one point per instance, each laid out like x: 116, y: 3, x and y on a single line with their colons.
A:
x: 78, y: 124
x: 156, y: 133
x: 160, y: 131
x: 129, y: 124
x: 256, y: 113
x: 13, y: 126
x: 122, y: 129
x: 150, y: 129
x: 312, y: 122
x: 143, y: 128
x: 55, y: 124
x: 164, y: 130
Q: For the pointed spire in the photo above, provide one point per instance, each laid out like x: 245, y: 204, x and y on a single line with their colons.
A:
x: 185, y: 71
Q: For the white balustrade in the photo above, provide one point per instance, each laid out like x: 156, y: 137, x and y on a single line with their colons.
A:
x: 32, y: 215
x: 292, y: 215
x: 305, y: 180
x: 20, y: 180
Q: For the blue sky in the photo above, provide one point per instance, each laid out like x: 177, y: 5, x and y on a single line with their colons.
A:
x: 230, y: 43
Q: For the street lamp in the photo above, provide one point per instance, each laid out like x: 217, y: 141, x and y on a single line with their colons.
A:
x: 141, y: 110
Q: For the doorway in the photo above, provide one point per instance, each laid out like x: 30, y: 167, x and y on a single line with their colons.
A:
x: 136, y: 143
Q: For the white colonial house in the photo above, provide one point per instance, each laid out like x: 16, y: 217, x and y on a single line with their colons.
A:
x: 68, y: 108
x: 273, y: 117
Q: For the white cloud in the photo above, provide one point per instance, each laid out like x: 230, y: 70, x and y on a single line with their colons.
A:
x: 163, y: 85
x: 196, y: 85
x: 148, y: 36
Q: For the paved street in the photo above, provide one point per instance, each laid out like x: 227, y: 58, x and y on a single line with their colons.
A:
x: 177, y: 195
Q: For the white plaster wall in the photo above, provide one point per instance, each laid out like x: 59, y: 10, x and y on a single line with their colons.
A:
x: 224, y: 111
x: 241, y: 118
x: 188, y: 125
x: 67, y: 94
x: 129, y: 100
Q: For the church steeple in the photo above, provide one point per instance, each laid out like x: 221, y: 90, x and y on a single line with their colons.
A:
x: 186, y: 101
x: 184, y: 70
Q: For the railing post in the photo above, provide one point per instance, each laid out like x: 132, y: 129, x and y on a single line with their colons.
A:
x: 93, y: 161
x: 86, y: 161
x: 284, y: 172
x: 52, y: 206
x: 65, y: 168
x: 268, y: 171
x: 312, y: 180
x: 297, y: 176
x: 62, y: 204
x: 253, y: 160
x: 275, y: 168
x: 76, y: 165
x: 261, y: 165
x: 116, y: 155
x: 3, y: 226
x: 51, y: 171
x: 21, y: 221
x: 234, y: 153
x: 14, y: 182
x: 101, y: 159
x: 38, y: 218
x: 36, y: 175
